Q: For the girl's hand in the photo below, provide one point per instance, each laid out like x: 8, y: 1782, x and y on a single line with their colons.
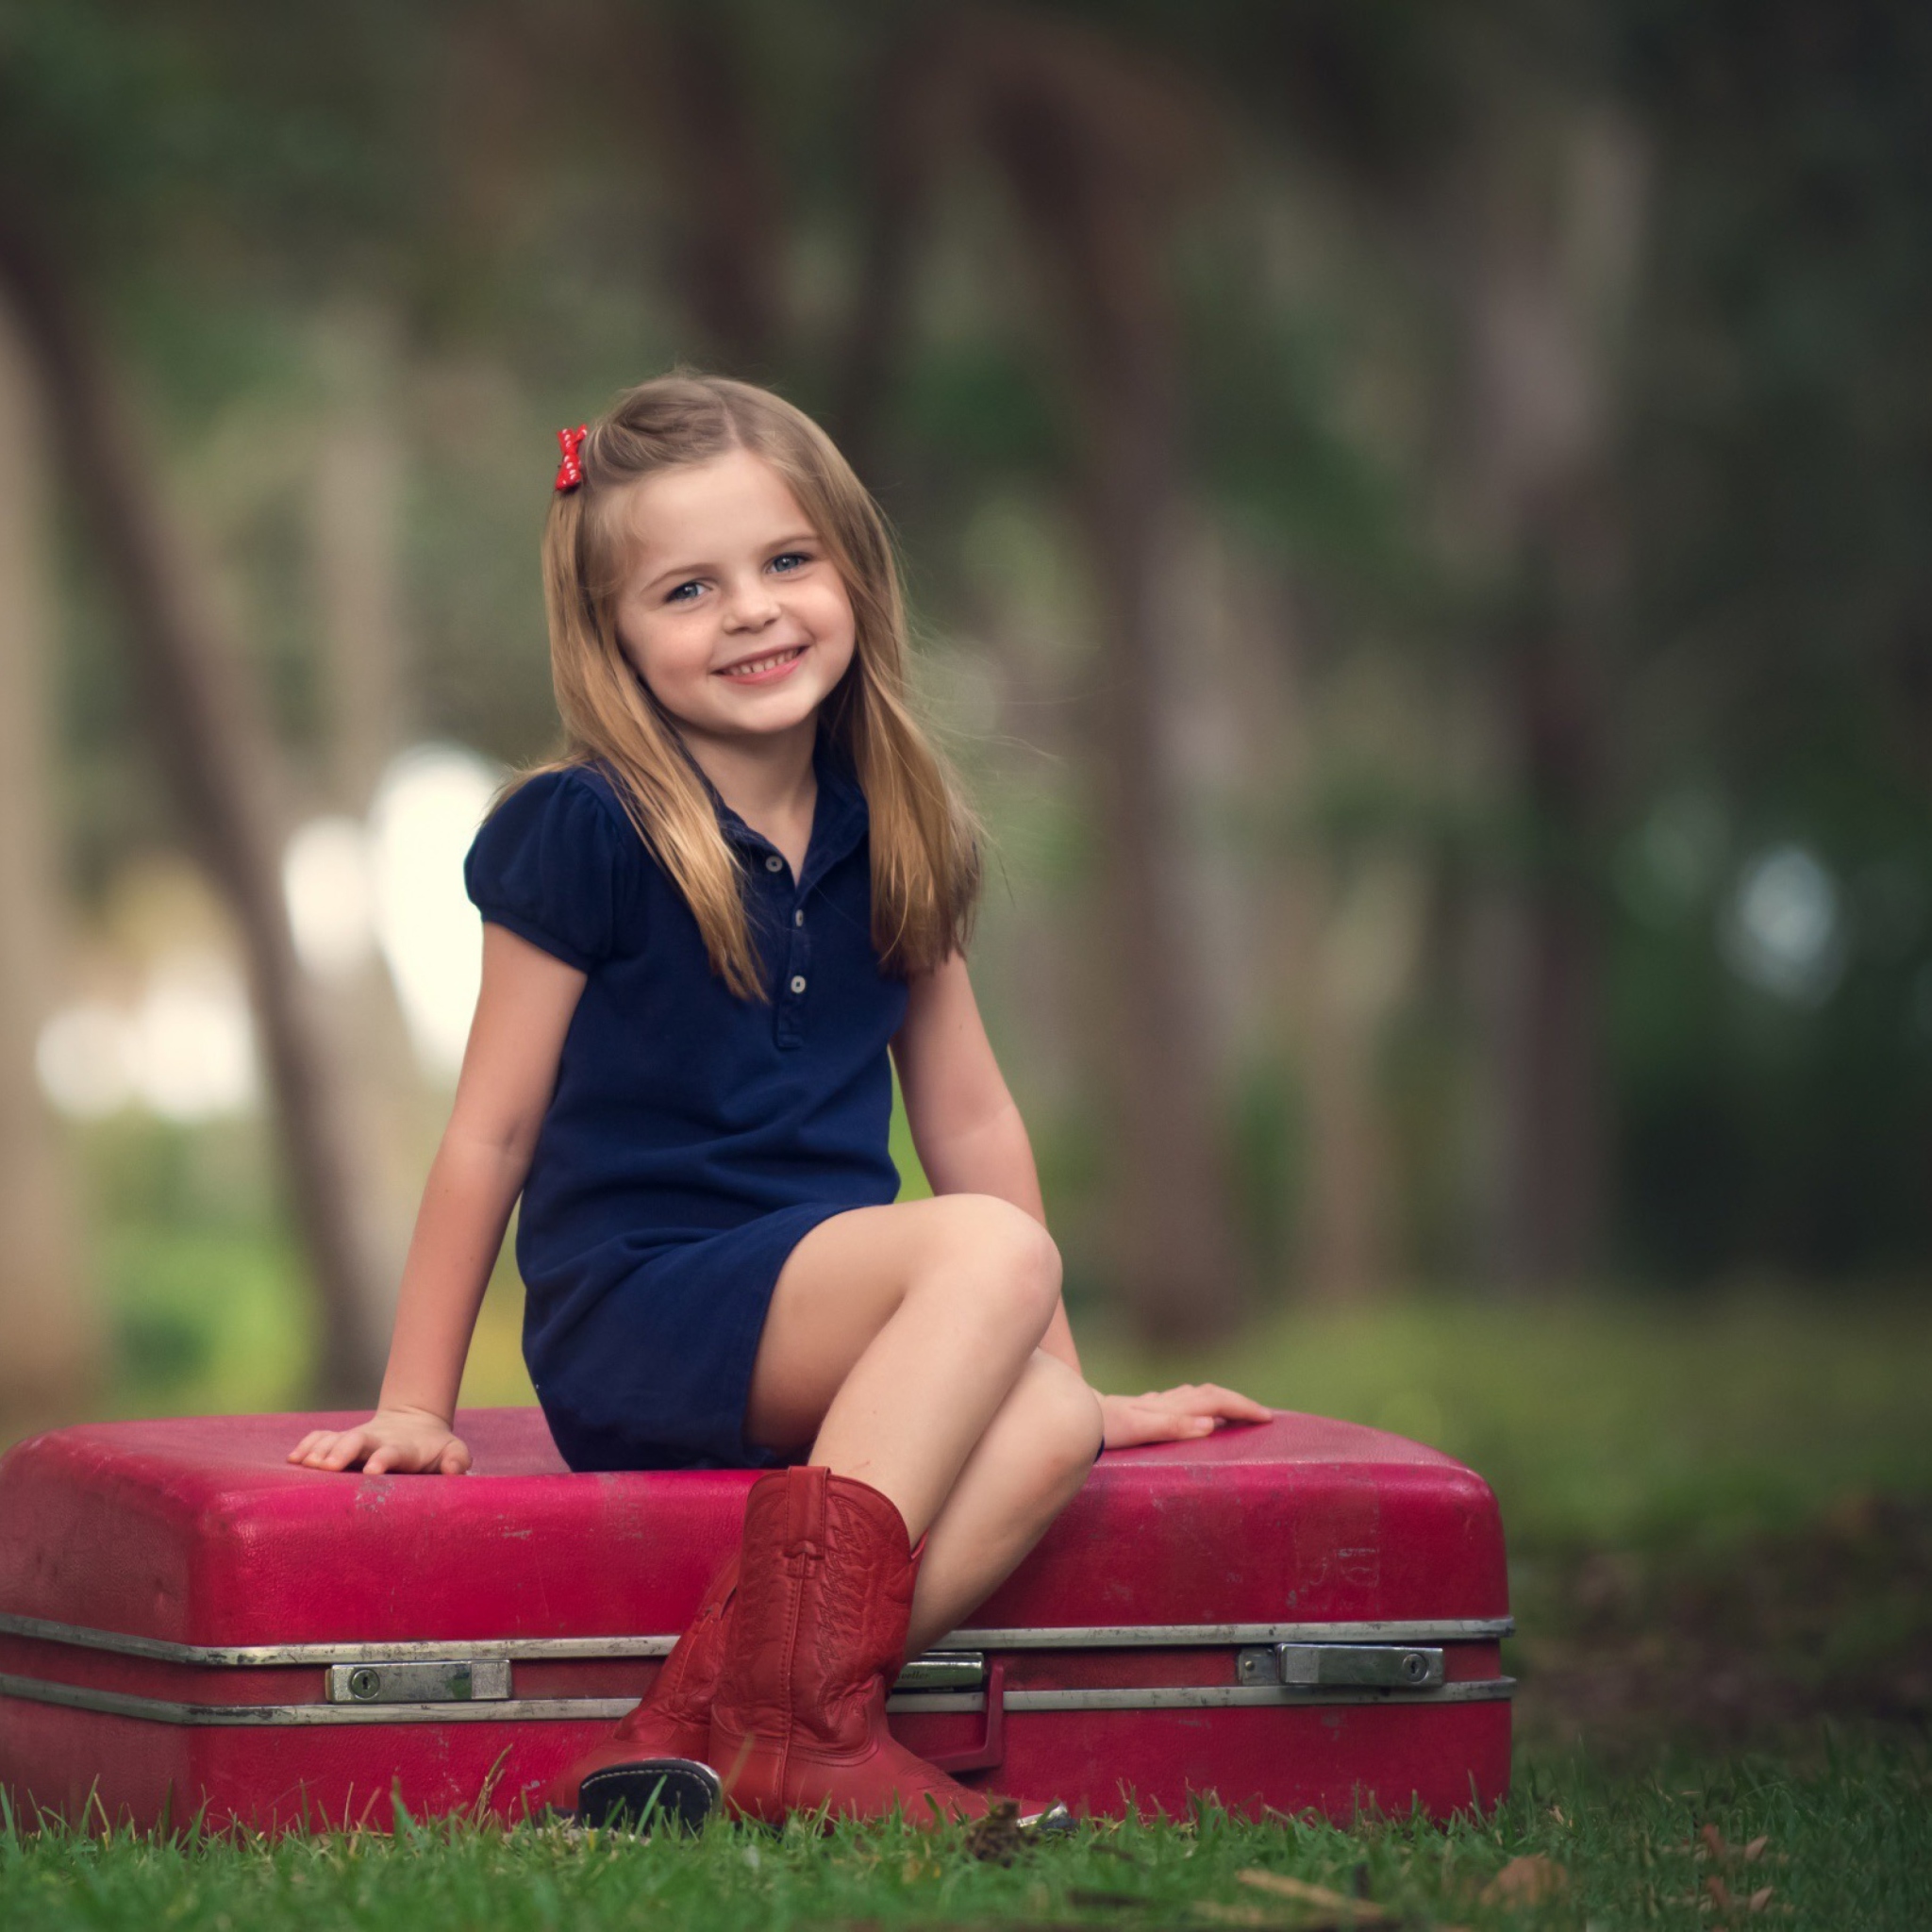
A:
x: 1174, y: 1415
x: 394, y: 1441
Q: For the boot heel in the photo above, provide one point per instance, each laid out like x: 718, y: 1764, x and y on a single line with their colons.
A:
x: 665, y: 1736
x: 675, y: 1793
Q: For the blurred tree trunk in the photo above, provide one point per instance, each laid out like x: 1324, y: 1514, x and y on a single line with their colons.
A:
x: 356, y: 513
x: 356, y: 518
x: 1094, y: 152
x: 1336, y: 938
x: 52, y: 1352
x: 220, y: 758
x: 1365, y: 920
x: 911, y: 120
x: 729, y: 235
x: 1548, y: 237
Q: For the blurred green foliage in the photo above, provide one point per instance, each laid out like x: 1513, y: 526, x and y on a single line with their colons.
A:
x: 474, y: 225
x: 1614, y: 1420
x: 208, y: 1308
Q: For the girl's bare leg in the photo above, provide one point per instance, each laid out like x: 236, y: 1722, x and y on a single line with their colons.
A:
x: 895, y: 1337
x: 1032, y: 1460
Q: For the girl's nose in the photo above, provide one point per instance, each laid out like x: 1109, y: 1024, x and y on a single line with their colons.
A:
x: 750, y: 604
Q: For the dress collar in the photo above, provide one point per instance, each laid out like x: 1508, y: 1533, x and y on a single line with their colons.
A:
x: 838, y: 818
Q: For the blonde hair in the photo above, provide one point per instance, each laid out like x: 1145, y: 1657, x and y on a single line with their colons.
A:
x: 924, y: 839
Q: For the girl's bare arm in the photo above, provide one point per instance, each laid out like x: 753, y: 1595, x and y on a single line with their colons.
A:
x: 968, y: 1133
x: 510, y: 1071
x: 971, y: 1139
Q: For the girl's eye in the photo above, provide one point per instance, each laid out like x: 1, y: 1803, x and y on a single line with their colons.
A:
x: 683, y: 593
x: 790, y: 560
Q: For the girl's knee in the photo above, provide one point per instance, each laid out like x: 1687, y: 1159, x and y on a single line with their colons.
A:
x: 1011, y: 1254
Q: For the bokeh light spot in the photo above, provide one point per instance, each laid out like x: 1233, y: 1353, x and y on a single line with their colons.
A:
x: 325, y: 882
x: 1783, y: 931
x: 427, y: 807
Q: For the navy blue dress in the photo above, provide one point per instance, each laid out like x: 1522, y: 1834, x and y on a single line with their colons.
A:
x: 693, y: 1138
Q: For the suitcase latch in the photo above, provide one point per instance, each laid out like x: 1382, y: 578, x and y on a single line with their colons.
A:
x: 943, y: 1670
x: 1321, y: 1666
x: 469, y: 1680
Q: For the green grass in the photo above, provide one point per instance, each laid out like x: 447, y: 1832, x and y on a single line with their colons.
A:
x: 1849, y: 1846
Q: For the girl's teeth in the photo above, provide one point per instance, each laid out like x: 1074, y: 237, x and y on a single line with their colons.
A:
x: 758, y: 664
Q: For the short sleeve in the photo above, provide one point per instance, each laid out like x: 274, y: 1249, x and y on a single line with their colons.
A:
x: 551, y: 863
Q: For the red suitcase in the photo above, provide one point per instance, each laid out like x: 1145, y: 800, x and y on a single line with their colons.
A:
x: 1300, y: 1613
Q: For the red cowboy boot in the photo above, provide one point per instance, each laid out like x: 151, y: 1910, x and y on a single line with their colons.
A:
x: 653, y: 1764
x: 817, y: 1634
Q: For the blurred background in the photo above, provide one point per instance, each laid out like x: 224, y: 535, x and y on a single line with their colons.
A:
x: 1416, y: 511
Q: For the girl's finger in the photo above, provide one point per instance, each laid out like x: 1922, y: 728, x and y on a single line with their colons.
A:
x: 1170, y: 1402
x: 1150, y: 1422
x: 1211, y: 1398
x: 454, y: 1459
x: 348, y: 1447
x: 1167, y: 1426
x: 303, y: 1447
x: 1230, y: 1403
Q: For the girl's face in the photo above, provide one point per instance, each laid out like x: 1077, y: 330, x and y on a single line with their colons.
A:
x: 732, y: 613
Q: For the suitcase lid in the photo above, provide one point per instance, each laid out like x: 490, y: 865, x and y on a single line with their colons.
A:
x: 198, y: 1532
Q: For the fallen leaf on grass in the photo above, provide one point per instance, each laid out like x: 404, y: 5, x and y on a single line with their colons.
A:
x: 1726, y: 1899
x: 1528, y: 1880
x: 1240, y: 1915
x: 995, y: 1838
x: 1358, y: 1911
x: 1711, y: 1845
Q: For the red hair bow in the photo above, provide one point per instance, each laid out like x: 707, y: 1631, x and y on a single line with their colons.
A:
x: 569, y: 472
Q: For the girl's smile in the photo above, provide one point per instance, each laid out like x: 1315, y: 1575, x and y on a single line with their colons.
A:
x: 763, y: 670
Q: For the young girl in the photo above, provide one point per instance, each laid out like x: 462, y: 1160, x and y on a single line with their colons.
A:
x: 750, y: 877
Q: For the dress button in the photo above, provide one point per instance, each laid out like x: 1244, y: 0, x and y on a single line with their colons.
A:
x: 798, y: 917
x: 798, y: 982
x: 775, y: 863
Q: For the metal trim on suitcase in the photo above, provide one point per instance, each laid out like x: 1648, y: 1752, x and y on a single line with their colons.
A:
x: 563, y: 1649
x: 1274, y: 1664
